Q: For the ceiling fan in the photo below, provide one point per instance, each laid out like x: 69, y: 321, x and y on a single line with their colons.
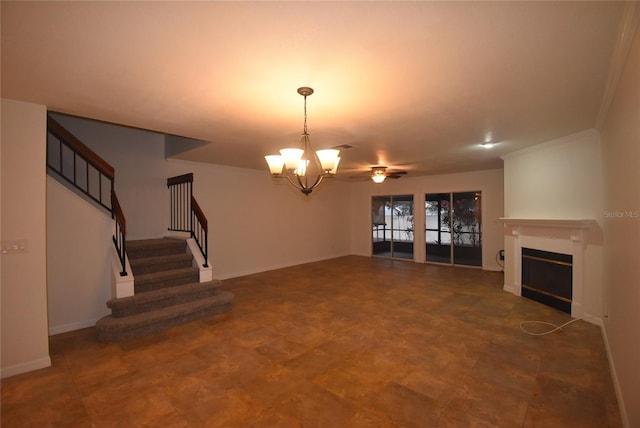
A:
x: 380, y: 173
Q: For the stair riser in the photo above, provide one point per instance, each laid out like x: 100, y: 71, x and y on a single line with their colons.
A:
x: 156, y: 252
x: 124, y: 311
x: 156, y: 285
x: 141, y: 268
x: 170, y: 277
x: 107, y: 336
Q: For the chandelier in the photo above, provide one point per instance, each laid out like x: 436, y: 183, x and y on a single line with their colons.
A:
x: 297, y: 165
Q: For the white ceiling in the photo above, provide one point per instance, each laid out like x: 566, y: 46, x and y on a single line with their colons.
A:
x: 414, y: 85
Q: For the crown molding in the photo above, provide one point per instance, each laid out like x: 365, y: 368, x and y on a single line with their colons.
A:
x: 628, y: 26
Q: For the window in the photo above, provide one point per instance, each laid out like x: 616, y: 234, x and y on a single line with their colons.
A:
x: 453, y: 228
x: 392, y: 224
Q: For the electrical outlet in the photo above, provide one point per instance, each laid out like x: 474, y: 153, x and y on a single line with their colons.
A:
x: 14, y: 246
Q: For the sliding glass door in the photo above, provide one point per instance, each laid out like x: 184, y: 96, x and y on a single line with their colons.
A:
x: 392, y: 226
x: 438, y: 228
x: 467, y: 234
x: 453, y: 228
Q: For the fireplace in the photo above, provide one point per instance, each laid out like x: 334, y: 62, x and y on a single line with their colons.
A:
x: 547, y: 278
x: 544, y: 261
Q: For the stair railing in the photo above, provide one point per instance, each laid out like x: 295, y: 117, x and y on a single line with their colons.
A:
x: 87, y: 172
x: 119, y: 238
x: 78, y: 165
x: 186, y: 214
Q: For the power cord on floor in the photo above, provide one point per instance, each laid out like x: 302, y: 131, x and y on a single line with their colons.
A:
x: 554, y: 329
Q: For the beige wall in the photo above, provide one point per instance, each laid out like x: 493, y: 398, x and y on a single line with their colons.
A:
x: 79, y: 251
x: 25, y: 344
x: 489, y: 182
x: 257, y: 223
x: 621, y: 150
x: 562, y: 179
x: 140, y: 170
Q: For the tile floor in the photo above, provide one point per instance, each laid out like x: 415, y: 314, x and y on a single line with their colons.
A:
x: 349, y: 342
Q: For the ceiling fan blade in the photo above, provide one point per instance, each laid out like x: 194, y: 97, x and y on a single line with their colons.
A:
x: 388, y: 173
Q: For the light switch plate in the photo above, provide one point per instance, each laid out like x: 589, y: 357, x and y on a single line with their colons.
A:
x: 14, y: 246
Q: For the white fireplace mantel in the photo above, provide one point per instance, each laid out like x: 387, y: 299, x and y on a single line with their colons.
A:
x: 564, y: 236
x: 548, y: 222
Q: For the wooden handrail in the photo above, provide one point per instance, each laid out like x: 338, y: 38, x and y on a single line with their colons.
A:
x: 117, y: 213
x: 201, y: 233
x: 185, y: 178
x: 83, y: 151
x: 199, y: 214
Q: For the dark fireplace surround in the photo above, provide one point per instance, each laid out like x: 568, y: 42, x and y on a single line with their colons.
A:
x: 547, y: 278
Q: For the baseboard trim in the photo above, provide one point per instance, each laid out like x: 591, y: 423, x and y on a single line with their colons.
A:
x: 28, y: 366
x: 260, y: 269
x: 72, y: 326
x: 614, y: 377
x: 511, y: 289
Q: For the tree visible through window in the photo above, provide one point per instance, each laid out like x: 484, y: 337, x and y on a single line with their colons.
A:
x: 392, y: 220
x: 454, y: 218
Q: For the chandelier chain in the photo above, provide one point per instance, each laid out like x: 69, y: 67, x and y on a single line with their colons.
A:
x: 305, y: 116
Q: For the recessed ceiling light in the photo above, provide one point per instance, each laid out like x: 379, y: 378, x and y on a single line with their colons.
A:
x: 487, y: 145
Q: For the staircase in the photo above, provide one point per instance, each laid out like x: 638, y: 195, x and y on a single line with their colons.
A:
x: 167, y: 292
x: 166, y: 284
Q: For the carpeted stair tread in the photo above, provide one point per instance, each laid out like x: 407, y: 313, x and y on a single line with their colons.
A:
x: 144, y: 265
x: 168, y: 278
x: 167, y: 292
x: 162, y: 297
x: 114, y: 329
x: 155, y: 247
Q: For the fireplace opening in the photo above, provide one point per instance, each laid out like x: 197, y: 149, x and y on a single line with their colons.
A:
x: 547, y: 278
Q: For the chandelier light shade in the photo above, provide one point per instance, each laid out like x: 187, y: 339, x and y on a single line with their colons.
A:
x: 298, y: 165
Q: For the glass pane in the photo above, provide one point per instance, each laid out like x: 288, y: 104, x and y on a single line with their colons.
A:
x: 381, y: 219
x: 467, y: 234
x: 402, y: 221
x: 437, y: 230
